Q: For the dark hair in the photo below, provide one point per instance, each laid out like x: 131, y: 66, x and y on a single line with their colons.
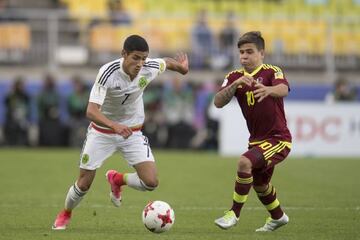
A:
x: 135, y: 43
x: 252, y: 37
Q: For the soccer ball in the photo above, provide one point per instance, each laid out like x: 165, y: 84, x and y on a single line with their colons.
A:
x: 158, y: 216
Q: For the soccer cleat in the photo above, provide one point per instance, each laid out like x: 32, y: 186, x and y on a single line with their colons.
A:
x: 115, y: 193
x: 227, y: 221
x: 272, y: 224
x: 62, y: 220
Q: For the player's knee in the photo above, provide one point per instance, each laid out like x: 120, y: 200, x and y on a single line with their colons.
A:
x: 244, y: 164
x: 83, y: 186
x: 151, y: 184
x: 85, y: 179
x: 260, y: 188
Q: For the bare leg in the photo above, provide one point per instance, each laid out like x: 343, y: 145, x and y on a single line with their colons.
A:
x: 79, y: 189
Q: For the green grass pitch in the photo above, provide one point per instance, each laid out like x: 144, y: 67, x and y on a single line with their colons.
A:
x: 321, y: 197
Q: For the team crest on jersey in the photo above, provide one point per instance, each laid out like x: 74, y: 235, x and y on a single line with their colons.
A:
x: 85, y: 158
x: 259, y: 80
x: 143, y: 82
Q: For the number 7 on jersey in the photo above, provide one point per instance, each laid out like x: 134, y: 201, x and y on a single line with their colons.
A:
x: 126, y: 97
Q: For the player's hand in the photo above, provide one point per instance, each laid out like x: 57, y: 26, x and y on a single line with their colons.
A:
x: 182, y: 58
x: 122, y: 130
x: 261, y: 92
x: 247, y: 80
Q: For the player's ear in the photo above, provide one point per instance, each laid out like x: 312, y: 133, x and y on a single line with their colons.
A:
x: 262, y: 52
x: 123, y: 53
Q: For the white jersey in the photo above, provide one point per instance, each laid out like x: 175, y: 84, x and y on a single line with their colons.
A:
x: 120, y: 98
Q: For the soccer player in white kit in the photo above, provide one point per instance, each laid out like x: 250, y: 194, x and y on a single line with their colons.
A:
x: 116, y: 111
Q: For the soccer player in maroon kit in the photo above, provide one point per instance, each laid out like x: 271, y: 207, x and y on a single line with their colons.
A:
x: 259, y: 89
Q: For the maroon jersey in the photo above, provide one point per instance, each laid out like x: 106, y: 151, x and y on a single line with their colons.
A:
x: 265, y: 119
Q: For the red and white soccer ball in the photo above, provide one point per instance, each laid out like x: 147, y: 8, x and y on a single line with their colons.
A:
x: 158, y: 216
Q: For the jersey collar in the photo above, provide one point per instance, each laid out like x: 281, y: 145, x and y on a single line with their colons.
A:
x: 253, y: 72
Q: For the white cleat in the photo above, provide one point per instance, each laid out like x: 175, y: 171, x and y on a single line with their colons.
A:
x: 272, y: 224
x: 227, y: 221
x: 116, y: 201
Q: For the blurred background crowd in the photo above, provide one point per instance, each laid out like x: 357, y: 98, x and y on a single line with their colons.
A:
x: 50, y: 113
x: 50, y: 51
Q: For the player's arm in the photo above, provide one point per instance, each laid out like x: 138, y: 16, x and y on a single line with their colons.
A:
x: 178, y: 64
x: 280, y: 90
x: 224, y: 96
x: 94, y: 114
x: 96, y: 99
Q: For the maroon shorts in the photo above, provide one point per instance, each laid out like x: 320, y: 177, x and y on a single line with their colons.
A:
x: 264, y: 156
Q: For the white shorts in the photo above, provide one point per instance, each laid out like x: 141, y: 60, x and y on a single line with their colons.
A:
x: 100, y: 146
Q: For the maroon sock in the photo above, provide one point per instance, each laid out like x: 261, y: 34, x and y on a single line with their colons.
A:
x: 269, y: 200
x: 242, y: 187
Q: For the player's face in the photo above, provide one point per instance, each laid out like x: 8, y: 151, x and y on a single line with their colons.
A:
x: 133, y: 62
x: 250, y: 56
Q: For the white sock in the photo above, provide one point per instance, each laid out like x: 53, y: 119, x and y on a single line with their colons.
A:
x: 73, y: 197
x: 133, y: 181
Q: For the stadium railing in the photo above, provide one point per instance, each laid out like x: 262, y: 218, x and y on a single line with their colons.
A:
x: 295, y: 41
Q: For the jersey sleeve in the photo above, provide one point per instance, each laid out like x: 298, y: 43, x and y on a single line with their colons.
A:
x: 97, y: 94
x: 279, y: 77
x: 229, y: 79
x: 98, y: 90
x: 155, y: 65
x: 162, y: 65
